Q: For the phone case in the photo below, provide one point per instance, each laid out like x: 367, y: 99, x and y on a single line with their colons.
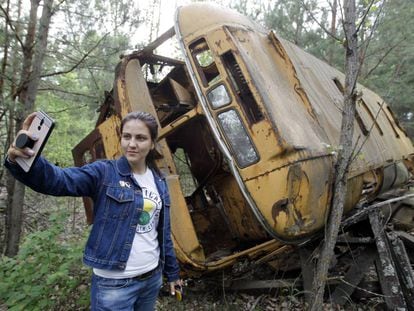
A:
x: 41, y: 126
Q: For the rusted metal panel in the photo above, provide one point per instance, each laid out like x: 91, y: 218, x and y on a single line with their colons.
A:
x: 101, y: 143
x: 318, y: 80
x: 110, y: 133
x: 133, y: 90
x: 239, y: 215
x: 294, y: 199
x: 182, y: 226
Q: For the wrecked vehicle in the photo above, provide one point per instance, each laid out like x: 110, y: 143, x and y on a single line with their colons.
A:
x: 249, y: 126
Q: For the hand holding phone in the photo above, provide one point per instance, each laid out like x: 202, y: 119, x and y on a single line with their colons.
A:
x: 40, y: 127
x: 178, y: 292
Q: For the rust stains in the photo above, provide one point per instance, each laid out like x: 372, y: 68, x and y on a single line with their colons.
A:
x: 291, y: 208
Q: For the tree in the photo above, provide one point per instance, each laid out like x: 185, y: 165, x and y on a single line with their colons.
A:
x: 34, y: 49
x: 344, y: 153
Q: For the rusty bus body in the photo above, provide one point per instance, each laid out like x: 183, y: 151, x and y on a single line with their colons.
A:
x: 254, y: 121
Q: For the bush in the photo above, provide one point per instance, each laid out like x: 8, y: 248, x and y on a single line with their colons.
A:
x: 48, y: 273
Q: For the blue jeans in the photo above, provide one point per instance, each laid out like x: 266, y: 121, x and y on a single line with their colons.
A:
x: 125, y: 294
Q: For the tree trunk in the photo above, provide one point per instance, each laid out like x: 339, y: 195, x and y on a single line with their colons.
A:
x: 331, y: 49
x: 10, y: 182
x: 299, y: 25
x: 14, y: 217
x: 5, y: 53
x: 344, y: 155
x: 3, y: 107
x: 40, y: 51
x: 27, y: 96
x: 27, y: 62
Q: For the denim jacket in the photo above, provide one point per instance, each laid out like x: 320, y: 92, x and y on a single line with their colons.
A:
x: 118, y: 203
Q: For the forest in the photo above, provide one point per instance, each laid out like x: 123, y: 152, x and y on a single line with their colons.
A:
x: 60, y: 56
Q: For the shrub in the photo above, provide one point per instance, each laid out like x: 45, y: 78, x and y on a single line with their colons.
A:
x: 48, y: 273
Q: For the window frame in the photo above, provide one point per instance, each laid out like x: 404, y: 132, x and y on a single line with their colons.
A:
x: 229, y: 141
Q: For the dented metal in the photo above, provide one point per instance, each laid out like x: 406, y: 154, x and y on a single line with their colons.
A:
x: 249, y: 131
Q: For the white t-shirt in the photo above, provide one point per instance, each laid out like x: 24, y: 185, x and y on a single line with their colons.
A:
x: 145, y: 252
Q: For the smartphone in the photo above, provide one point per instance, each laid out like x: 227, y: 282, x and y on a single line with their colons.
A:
x: 41, y: 127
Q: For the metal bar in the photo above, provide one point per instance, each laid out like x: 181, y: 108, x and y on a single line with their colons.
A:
x: 387, y: 274
x: 404, y: 269
x: 342, y: 239
x: 160, y: 40
x: 363, y: 211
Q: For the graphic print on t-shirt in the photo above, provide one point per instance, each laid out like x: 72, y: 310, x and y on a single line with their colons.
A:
x: 150, y: 212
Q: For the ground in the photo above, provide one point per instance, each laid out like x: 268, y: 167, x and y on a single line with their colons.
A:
x: 217, y: 299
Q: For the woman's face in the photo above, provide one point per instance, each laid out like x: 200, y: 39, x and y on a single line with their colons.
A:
x: 136, y: 143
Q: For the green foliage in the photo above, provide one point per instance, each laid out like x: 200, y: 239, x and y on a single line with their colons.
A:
x: 47, y: 272
x: 187, y: 182
x: 389, y: 64
x: 74, y: 121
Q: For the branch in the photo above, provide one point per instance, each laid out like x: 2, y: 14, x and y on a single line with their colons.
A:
x: 3, y: 113
x: 374, y: 122
x: 354, y: 155
x: 77, y: 63
x: 342, y: 15
x: 365, y: 15
x: 93, y: 78
x: 383, y: 57
x: 344, y: 155
x: 328, y: 32
x: 56, y: 8
x: 65, y: 92
x: 66, y: 109
x: 9, y: 79
x: 9, y: 22
x: 373, y: 28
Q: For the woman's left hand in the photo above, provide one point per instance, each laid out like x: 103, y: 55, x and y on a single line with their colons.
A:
x: 178, y: 283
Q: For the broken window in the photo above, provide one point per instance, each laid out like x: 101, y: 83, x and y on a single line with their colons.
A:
x: 237, y: 137
x: 206, y: 66
x: 183, y: 165
x: 397, y: 122
x: 372, y: 116
x: 358, y: 118
x: 242, y: 89
x: 173, y: 95
x: 219, y: 97
x: 339, y: 85
x: 360, y: 122
x: 388, y: 119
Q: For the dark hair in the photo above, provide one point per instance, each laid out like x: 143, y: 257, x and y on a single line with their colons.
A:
x: 152, y: 125
x: 145, y: 117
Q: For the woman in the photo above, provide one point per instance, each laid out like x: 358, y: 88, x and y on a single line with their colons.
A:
x: 130, y: 244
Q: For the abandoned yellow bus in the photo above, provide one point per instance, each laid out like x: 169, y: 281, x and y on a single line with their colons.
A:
x: 249, y: 124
